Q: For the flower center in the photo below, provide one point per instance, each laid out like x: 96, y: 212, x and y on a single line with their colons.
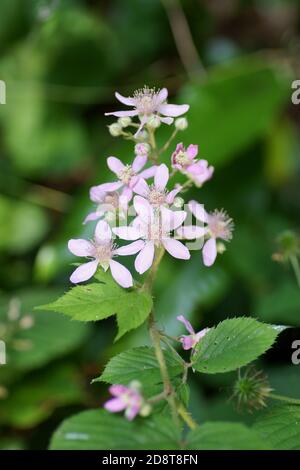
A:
x: 156, y: 197
x: 103, y: 253
x: 182, y: 159
x: 220, y: 225
x: 146, y: 100
x: 126, y: 174
x: 156, y: 232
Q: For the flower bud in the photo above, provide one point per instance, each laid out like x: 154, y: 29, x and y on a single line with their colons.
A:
x: 142, y: 136
x: 124, y: 121
x: 26, y: 322
x: 153, y: 121
x: 142, y: 149
x: 221, y: 248
x: 251, y: 390
x: 178, y: 202
x: 145, y: 410
x: 115, y: 129
x: 136, y: 385
x: 181, y: 123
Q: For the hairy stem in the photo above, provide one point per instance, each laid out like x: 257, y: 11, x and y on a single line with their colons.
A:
x: 292, y: 401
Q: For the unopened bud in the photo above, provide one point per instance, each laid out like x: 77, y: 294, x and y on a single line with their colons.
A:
x: 135, y: 384
x: 153, y: 121
x: 142, y: 149
x: 115, y: 129
x: 181, y: 123
x: 221, y: 248
x: 124, y: 121
x: 178, y: 202
x: 26, y: 322
x: 142, y: 136
x: 145, y: 410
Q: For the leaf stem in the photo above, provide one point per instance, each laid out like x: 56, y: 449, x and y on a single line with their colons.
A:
x: 296, y: 268
x: 292, y: 401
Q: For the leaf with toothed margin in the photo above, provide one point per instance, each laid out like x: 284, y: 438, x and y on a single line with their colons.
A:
x: 101, y: 300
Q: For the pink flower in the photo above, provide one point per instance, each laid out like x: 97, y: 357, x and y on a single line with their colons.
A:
x: 125, y: 398
x: 111, y: 203
x: 102, y: 250
x: 190, y: 341
x: 185, y: 161
x: 148, y: 101
x: 155, y: 228
x: 128, y: 176
x: 218, y: 226
x: 157, y: 194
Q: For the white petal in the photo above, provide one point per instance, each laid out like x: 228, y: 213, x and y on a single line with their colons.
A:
x: 115, y: 165
x: 103, y: 231
x: 80, y: 247
x: 143, y: 209
x: 144, y: 259
x: 198, y: 211
x: 209, y: 252
x: 173, y: 110
x: 84, y: 272
x: 172, y: 219
x: 162, y: 95
x: 139, y: 162
x: 127, y: 233
x: 161, y: 177
x: 141, y: 188
x: 176, y: 248
x: 130, y: 249
x: 120, y: 274
x: 190, y: 232
x: 125, y: 100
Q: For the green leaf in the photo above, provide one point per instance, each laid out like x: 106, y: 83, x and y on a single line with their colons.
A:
x: 240, y: 100
x: 233, y: 343
x: 279, y: 427
x: 33, y: 400
x: 100, y: 430
x: 138, y: 364
x: 224, y: 436
x: 94, y: 302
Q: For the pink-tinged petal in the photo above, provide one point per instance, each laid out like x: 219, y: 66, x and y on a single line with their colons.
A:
x: 103, y: 231
x: 123, y: 113
x: 131, y: 412
x: 172, y: 219
x: 106, y: 188
x: 172, y: 194
x: 145, y: 258
x: 127, y: 193
x: 201, y: 334
x: 192, y: 151
x: 198, y: 211
x: 143, y: 121
x: 143, y: 209
x: 209, y: 252
x: 116, y: 390
x: 148, y: 173
x: 114, y: 405
x: 186, y: 323
x: 173, y: 110
x: 80, y: 247
x: 190, y: 232
x: 84, y: 272
x: 93, y: 216
x: 97, y: 194
x: 139, y: 162
x: 176, y: 248
x: 141, y: 188
x: 127, y: 233
x: 125, y: 99
x: 167, y: 120
x: 115, y: 165
x: 120, y: 274
x: 130, y: 249
x: 161, y: 177
x: 162, y: 95
x: 188, y: 342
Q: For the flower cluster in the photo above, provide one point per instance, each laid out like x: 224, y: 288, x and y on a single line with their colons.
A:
x: 142, y: 212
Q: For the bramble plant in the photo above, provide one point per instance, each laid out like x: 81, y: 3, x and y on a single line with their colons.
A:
x: 150, y: 384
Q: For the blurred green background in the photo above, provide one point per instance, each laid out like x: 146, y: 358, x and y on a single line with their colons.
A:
x: 234, y: 62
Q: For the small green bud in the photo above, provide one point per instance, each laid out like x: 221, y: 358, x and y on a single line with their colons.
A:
x: 153, y: 121
x: 115, y: 129
x: 124, y: 121
x: 181, y: 123
x: 145, y: 410
x: 178, y: 202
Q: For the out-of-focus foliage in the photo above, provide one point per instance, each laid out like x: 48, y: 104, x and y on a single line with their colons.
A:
x: 62, y: 62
